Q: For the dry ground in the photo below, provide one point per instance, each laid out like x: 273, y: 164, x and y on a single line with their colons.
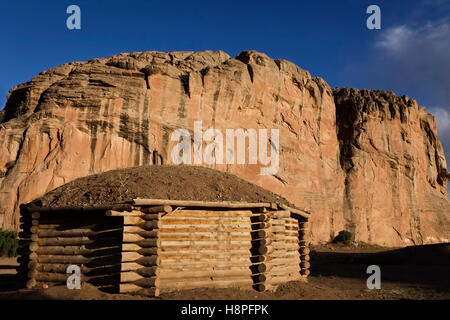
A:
x: 337, y: 272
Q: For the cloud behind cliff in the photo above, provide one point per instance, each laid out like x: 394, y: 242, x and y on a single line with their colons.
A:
x: 414, y: 59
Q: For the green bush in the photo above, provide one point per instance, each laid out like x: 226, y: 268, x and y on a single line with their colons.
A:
x: 344, y: 236
x: 9, y: 243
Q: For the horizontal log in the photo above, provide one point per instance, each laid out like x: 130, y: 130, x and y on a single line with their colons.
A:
x: 269, y: 233
x: 157, y: 209
x: 226, y: 256
x: 173, y: 219
x: 305, y: 272
x: 261, y: 242
x: 301, y: 213
x: 149, y: 292
x: 148, y: 243
x: 76, y: 250
x: 267, y: 249
x: 201, y: 243
x: 212, y: 229
x: 130, y: 266
x: 245, y: 252
x: 206, y: 236
x: 209, y: 248
x: 77, y: 259
x: 33, y: 246
x: 210, y: 204
x: 45, y: 233
x: 79, y: 209
x: 261, y: 287
x: 167, y: 285
x: 148, y: 271
x: 132, y: 288
x: 133, y: 220
x: 60, y: 259
x: 146, y: 282
x: 31, y: 283
x: 149, y: 261
x: 136, y: 257
x: 140, y: 231
x: 186, y: 273
x: 61, y: 241
x: 62, y: 278
x: 269, y: 265
x: 305, y: 264
x: 131, y: 237
x: 146, y: 251
x: 152, y: 216
x: 131, y: 213
x: 280, y: 214
x: 149, y: 225
x: 129, y: 276
x: 204, y: 263
x: 62, y: 268
x: 282, y: 279
x: 212, y: 214
x: 35, y: 215
x: 32, y: 264
x: 282, y: 268
x: 270, y: 277
x: 305, y: 257
x: 284, y: 254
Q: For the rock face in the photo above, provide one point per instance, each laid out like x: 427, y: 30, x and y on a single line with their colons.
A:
x: 370, y: 163
x: 396, y: 174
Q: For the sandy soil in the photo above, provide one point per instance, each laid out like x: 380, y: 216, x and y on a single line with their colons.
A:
x: 336, y: 273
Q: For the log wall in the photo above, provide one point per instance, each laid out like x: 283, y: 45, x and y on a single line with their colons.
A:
x: 152, y: 248
x: 51, y: 242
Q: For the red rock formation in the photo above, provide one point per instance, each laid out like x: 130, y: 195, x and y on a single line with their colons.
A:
x: 88, y: 117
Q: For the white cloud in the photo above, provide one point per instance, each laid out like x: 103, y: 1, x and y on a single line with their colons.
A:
x: 418, y: 57
x: 395, y: 38
x: 433, y: 37
x: 442, y: 117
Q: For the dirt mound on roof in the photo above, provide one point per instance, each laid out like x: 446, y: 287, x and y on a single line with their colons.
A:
x: 157, y: 182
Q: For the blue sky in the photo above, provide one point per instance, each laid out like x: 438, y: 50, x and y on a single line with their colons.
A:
x: 409, y: 55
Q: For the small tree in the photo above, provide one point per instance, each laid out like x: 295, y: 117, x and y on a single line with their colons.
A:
x: 9, y: 243
x: 344, y: 236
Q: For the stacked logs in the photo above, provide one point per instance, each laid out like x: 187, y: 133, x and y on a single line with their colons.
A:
x: 26, y: 222
x: 90, y: 242
x: 166, y: 245
x: 278, y: 250
x: 304, y: 246
x: 140, y: 259
x: 205, y: 248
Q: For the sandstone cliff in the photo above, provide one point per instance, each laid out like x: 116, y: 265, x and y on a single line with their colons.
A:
x: 371, y: 162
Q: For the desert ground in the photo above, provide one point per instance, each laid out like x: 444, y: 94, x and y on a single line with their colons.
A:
x: 338, y: 272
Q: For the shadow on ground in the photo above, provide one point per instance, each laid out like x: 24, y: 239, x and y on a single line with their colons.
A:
x: 427, y: 265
